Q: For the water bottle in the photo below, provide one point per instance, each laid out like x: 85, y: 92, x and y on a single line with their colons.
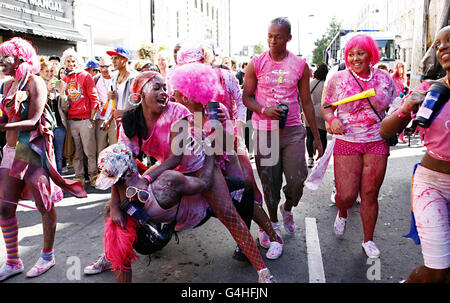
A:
x: 134, y: 211
x: 212, y: 108
x: 437, y: 96
x: 285, y: 110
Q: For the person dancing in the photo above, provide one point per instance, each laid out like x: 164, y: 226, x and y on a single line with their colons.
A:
x: 431, y: 182
x: 28, y: 168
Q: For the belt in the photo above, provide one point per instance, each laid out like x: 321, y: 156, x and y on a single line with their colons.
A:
x: 77, y: 119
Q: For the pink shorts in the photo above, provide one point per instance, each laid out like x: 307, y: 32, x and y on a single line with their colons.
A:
x: 346, y: 148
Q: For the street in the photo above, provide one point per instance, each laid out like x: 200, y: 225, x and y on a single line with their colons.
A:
x: 204, y: 255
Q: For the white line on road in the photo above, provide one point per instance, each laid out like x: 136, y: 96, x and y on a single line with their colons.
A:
x: 315, y: 264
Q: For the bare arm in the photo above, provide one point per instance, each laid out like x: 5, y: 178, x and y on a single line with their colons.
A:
x: 250, y: 85
x: 394, y: 123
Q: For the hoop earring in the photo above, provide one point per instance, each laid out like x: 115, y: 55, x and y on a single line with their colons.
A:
x: 135, y: 99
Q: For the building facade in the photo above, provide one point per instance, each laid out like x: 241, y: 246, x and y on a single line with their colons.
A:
x: 48, y: 24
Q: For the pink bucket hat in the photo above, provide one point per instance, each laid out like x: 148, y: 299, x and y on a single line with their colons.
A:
x: 190, y: 53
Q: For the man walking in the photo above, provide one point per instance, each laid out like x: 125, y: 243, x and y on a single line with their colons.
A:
x: 279, y: 77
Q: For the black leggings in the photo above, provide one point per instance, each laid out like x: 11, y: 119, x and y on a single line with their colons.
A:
x: 310, y: 139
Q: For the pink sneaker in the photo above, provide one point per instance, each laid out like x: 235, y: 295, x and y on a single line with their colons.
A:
x: 98, y: 266
x: 275, y: 251
x: 339, y: 225
x: 7, y: 270
x: 263, y: 238
x: 40, y: 267
x: 288, y: 220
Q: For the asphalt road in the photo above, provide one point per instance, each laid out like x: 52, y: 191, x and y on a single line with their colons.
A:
x: 203, y: 255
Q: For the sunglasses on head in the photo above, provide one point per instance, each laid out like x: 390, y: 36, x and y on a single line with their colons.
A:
x: 143, y: 195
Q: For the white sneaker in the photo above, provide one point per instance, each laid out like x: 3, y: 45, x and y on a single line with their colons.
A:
x: 339, y: 225
x: 7, y: 270
x: 288, y: 220
x: 371, y: 249
x: 333, y: 195
x: 275, y: 250
x: 40, y: 267
x: 98, y: 266
x: 265, y: 276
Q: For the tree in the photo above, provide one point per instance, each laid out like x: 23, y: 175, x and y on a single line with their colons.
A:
x: 322, y: 43
x: 258, y: 49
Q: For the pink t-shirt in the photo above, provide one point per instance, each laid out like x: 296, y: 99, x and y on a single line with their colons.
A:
x: 277, y: 83
x: 437, y: 136
x: 360, y: 121
x: 158, y: 144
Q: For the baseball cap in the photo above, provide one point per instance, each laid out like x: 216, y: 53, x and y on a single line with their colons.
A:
x: 113, y: 163
x: 92, y: 64
x: 120, y: 51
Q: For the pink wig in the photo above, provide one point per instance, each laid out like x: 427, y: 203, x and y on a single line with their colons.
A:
x: 366, y: 43
x: 22, y: 50
x: 196, y: 81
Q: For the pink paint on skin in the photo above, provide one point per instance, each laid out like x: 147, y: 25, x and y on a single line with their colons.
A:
x: 359, y: 119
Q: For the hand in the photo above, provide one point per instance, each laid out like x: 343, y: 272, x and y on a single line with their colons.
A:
x: 337, y: 128
x: 118, y: 217
x: 112, y: 95
x: 273, y: 113
x: 412, y: 102
x: 105, y: 125
x: 317, y: 147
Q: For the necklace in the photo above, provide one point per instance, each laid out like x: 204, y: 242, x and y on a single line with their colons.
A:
x: 361, y: 78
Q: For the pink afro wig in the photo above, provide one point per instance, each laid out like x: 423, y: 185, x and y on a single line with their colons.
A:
x: 366, y: 43
x: 196, y: 81
x: 22, y: 50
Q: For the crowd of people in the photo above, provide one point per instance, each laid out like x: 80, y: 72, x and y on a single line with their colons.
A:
x: 172, y: 141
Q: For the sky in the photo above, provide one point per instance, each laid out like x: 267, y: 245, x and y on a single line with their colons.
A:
x: 309, y: 20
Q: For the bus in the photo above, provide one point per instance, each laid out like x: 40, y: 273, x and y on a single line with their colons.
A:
x: 334, y: 54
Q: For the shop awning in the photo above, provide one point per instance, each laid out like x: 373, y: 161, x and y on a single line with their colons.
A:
x: 32, y: 28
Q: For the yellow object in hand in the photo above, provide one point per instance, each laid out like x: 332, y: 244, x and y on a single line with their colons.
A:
x: 365, y: 94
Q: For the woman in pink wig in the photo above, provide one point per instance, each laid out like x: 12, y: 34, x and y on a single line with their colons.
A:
x: 28, y: 168
x: 230, y: 96
x: 430, y: 197
x: 360, y: 153
x: 187, y: 82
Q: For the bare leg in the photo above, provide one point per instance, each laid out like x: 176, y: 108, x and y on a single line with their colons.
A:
x: 424, y: 274
x: 372, y: 178
x: 347, y: 173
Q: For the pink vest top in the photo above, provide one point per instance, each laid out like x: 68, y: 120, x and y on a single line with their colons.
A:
x: 277, y: 83
x: 437, y: 136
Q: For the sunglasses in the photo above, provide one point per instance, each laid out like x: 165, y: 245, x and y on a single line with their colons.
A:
x: 143, y: 195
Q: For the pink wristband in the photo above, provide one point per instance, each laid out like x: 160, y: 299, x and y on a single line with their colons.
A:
x: 262, y: 110
x: 148, y: 178
x: 330, y: 120
x: 401, y: 114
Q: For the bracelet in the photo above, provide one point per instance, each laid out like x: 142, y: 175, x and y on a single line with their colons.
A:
x: 330, y: 120
x: 262, y: 110
x: 148, y: 178
x: 401, y: 114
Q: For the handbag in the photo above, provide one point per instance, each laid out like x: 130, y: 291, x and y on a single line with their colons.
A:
x: 69, y: 146
x: 392, y: 141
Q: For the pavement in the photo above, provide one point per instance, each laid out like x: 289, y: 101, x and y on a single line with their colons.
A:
x: 203, y: 255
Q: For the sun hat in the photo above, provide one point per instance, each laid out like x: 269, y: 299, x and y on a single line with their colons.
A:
x: 113, y: 162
